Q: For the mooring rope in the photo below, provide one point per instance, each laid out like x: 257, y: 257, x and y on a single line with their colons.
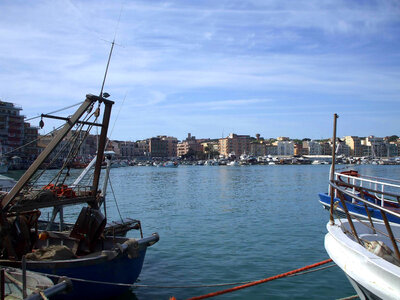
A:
x: 350, y: 297
x: 236, y: 288
x: 297, y: 272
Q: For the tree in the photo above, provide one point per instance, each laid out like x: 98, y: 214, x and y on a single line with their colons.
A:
x: 392, y: 138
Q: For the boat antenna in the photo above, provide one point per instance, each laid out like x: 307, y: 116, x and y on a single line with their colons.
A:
x: 109, y: 56
x: 108, y: 63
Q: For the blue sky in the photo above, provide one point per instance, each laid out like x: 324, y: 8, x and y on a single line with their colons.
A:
x: 278, y: 68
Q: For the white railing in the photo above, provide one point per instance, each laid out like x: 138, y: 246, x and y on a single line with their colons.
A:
x: 374, y: 183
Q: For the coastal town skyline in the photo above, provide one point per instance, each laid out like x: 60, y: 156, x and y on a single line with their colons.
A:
x: 211, y: 68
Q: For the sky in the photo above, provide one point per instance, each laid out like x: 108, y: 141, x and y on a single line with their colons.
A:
x: 277, y: 68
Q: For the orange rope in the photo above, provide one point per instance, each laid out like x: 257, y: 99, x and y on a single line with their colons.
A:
x: 261, y: 281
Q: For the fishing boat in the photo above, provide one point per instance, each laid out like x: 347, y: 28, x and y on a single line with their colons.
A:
x: 366, y: 250
x: 99, y: 266
x: 358, y: 184
x: 114, y: 228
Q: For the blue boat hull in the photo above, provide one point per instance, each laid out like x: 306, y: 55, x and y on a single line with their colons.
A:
x: 119, y: 270
x: 355, y: 209
x: 118, y: 261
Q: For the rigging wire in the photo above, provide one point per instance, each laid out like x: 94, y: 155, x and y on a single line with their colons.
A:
x: 116, y: 118
x: 115, y: 199
x: 56, y: 111
x: 74, y: 149
x: 58, y: 154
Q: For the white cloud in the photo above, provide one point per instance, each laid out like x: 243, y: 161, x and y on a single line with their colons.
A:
x: 208, y: 55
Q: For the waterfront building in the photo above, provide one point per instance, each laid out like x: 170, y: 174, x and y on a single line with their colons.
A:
x: 392, y: 149
x: 257, y: 148
x: 375, y: 147
x: 354, y: 143
x: 210, y: 147
x: 127, y: 149
x: 87, y: 149
x: 88, y: 146
x: 60, y: 152
x: 114, y: 146
x: 142, y: 148
x: 158, y: 147
x: 271, y: 149
x: 31, y: 134
x: 299, y: 150
x: 130, y: 150
x: 235, y: 144
x: 313, y: 147
x: 189, y: 145
x: 326, y: 147
x: 285, y: 148
x: 11, y: 127
x: 172, y: 145
x: 342, y: 148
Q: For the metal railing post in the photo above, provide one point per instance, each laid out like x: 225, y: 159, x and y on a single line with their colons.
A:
x: 332, y: 175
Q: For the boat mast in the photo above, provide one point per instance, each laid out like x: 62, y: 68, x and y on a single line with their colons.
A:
x: 103, y: 134
x: 332, y: 175
x: 102, y: 143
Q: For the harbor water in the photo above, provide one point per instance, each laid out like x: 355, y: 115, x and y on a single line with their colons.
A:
x: 231, y: 224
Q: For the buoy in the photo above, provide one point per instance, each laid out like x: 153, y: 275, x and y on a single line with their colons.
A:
x: 43, y: 236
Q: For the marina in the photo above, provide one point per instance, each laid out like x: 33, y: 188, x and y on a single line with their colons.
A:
x: 221, y: 178
x: 224, y: 225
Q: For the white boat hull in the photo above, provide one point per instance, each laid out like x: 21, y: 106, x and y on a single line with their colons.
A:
x: 371, y: 276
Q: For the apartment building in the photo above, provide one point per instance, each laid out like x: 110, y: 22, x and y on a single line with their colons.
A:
x: 210, y: 146
x: 158, y: 147
x: 30, y: 140
x: 313, y: 147
x: 236, y: 144
x: 257, y: 148
x: 392, y: 149
x: 300, y: 150
x: 172, y: 145
x: 130, y: 150
x: 354, y: 143
x: 11, y: 127
x: 285, y: 147
x: 190, y: 144
x: 374, y: 146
